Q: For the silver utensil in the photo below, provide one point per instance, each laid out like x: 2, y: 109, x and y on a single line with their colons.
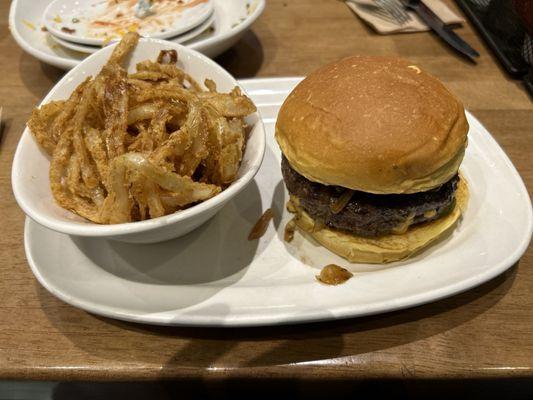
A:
x: 144, y: 8
x: 395, y: 9
x: 441, y: 29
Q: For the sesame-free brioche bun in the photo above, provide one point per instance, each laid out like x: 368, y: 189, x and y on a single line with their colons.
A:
x: 388, y: 248
x: 375, y: 124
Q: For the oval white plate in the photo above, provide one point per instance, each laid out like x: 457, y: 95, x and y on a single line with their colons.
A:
x: 232, y: 19
x: 215, y: 277
x: 179, y: 39
x: 60, y: 13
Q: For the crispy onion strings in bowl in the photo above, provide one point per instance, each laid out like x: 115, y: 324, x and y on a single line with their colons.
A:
x: 143, y: 141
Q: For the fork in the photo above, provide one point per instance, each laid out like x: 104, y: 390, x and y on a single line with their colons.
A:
x: 395, y: 9
x: 144, y: 8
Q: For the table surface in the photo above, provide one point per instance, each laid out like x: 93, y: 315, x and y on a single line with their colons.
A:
x: 485, y: 332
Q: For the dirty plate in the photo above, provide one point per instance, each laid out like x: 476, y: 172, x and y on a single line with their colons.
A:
x: 96, y: 22
x: 232, y: 20
x: 83, y: 48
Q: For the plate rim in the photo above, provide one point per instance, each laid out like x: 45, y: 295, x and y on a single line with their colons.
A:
x: 342, y: 312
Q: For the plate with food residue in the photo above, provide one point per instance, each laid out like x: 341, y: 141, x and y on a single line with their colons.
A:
x: 189, y: 35
x: 97, y: 22
x: 215, y: 276
x: 232, y: 20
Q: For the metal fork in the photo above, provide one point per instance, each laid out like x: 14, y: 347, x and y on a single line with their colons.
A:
x: 395, y: 9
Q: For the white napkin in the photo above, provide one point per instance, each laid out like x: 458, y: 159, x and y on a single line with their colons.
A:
x: 369, y: 12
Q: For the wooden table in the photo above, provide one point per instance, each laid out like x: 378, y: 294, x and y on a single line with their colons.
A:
x: 484, y: 333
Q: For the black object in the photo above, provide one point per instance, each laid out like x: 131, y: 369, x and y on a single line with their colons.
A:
x: 444, y: 31
x: 504, y: 31
x: 528, y: 82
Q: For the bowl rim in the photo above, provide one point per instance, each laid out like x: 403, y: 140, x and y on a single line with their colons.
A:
x: 92, y: 229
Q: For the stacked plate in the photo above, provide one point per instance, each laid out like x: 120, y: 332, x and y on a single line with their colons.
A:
x: 87, y: 26
x: 63, y: 32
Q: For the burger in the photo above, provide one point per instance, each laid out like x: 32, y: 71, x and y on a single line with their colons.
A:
x: 371, y: 149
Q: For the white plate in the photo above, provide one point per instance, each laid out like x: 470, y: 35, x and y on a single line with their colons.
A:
x: 232, y: 20
x: 178, y: 39
x: 173, y: 19
x: 215, y: 277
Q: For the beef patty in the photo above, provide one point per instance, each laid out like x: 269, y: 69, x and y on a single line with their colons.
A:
x: 368, y: 214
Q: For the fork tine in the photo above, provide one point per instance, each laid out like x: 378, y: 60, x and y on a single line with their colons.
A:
x: 380, y: 9
x: 399, y: 11
x: 395, y: 9
x: 401, y: 6
x: 384, y: 5
x: 383, y: 14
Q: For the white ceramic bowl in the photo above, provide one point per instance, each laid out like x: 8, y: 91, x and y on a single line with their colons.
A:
x: 31, y: 184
